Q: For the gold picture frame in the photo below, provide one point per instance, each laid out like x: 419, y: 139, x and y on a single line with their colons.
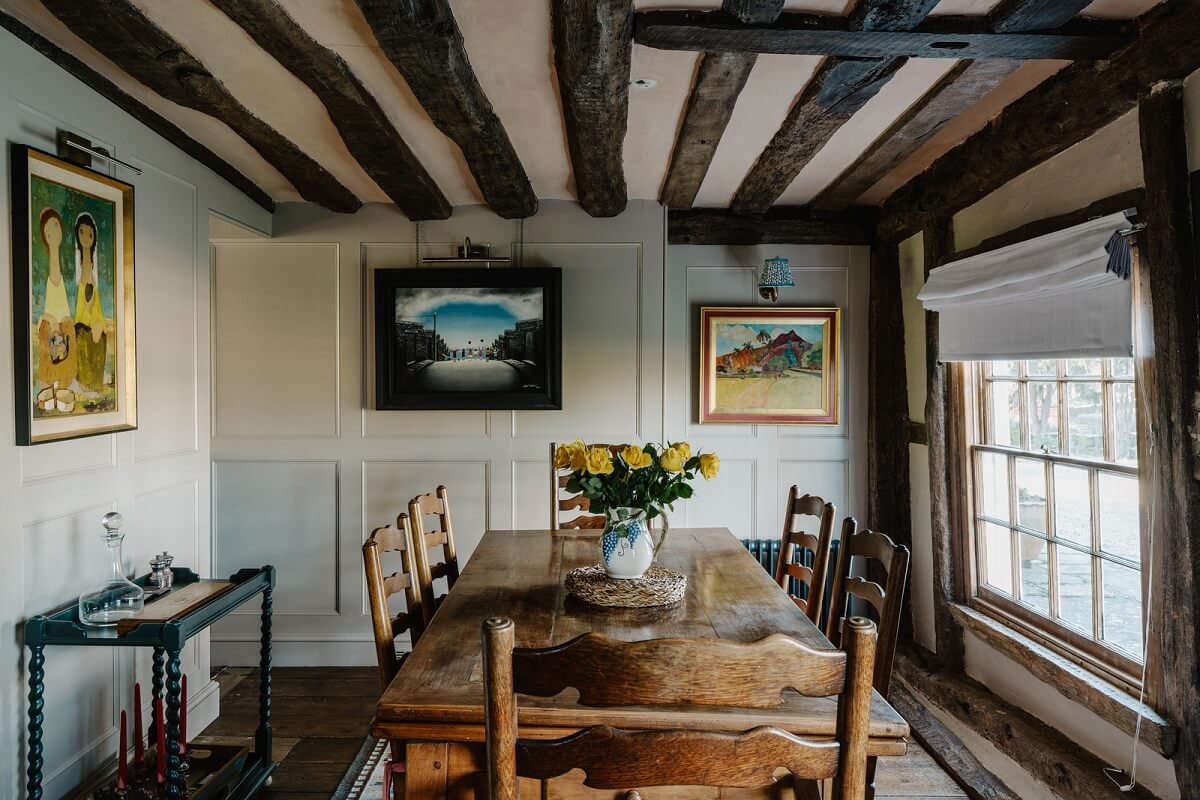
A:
x: 73, y: 299
x: 772, y: 366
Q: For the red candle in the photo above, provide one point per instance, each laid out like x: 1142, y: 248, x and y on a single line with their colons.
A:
x: 161, y: 741
x: 139, y: 741
x: 183, y: 721
x: 122, y: 766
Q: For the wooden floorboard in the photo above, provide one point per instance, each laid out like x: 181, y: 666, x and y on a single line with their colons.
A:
x: 914, y: 775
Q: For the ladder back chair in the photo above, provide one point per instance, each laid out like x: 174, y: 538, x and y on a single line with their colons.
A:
x: 563, y: 503
x: 793, y: 542
x: 610, y: 672
x: 884, y: 594
x: 439, y: 506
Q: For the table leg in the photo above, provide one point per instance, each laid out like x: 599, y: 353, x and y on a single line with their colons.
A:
x: 175, y: 776
x: 262, y: 737
x: 37, y: 688
x: 156, y: 692
x: 872, y: 762
x: 425, y: 770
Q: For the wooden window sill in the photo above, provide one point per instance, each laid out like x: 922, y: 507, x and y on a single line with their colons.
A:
x: 1074, y: 682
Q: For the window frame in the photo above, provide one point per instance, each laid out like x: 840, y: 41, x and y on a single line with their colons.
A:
x: 1106, y: 660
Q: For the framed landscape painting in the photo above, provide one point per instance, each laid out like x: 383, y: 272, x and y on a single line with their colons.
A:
x: 468, y: 338
x: 770, y: 365
x: 73, y: 299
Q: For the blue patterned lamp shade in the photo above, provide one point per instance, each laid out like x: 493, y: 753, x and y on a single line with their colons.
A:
x: 776, y: 272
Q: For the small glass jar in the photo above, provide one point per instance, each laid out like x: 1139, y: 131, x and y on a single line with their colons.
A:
x: 114, y: 597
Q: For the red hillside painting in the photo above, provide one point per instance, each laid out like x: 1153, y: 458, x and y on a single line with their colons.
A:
x: 770, y: 365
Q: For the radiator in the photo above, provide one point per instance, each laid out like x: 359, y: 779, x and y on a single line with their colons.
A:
x: 766, y: 553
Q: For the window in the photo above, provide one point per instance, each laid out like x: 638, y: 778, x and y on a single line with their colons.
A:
x: 1055, y: 514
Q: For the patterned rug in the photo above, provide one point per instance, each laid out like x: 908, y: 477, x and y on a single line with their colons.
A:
x: 364, y: 779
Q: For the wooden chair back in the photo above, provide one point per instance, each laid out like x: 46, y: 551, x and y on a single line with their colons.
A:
x: 610, y: 672
x: 434, y: 505
x: 793, y: 541
x: 882, y: 590
x: 393, y: 538
x: 570, y: 511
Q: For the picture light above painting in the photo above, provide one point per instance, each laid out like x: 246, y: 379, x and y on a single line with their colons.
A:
x: 73, y: 299
x: 451, y: 339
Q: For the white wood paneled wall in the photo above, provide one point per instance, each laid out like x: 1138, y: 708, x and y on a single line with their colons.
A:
x: 304, y: 469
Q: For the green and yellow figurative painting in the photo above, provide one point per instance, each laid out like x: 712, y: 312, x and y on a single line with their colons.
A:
x: 770, y: 365
x: 78, y: 282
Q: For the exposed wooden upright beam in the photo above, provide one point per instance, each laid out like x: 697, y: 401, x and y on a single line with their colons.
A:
x: 719, y: 81
x: 422, y: 39
x: 593, y: 51
x: 782, y: 225
x: 1064, y: 109
x: 956, y: 92
x: 133, y: 42
x: 365, y: 128
x: 136, y: 109
x: 835, y: 93
x: 1169, y: 247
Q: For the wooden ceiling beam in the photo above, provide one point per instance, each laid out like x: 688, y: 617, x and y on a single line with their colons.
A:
x: 137, y: 110
x: 834, y: 94
x: 783, y: 225
x: 959, y: 90
x: 720, y: 78
x: 814, y: 34
x: 422, y: 39
x: 1063, y: 110
x: 365, y: 128
x: 593, y: 51
x: 137, y: 45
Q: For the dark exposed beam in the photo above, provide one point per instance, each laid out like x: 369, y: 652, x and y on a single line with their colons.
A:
x: 133, y: 42
x: 782, y: 225
x: 1169, y: 247
x: 593, y: 50
x: 811, y: 34
x: 136, y: 109
x: 719, y: 80
x: 960, y: 89
x: 365, y: 128
x: 833, y: 95
x: 422, y: 40
x: 1064, y: 109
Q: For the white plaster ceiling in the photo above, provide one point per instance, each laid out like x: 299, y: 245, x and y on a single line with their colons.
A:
x: 509, y: 45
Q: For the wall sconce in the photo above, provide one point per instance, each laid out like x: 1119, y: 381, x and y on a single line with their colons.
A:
x: 775, y: 273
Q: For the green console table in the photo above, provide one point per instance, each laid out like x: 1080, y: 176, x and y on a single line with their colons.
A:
x: 167, y: 639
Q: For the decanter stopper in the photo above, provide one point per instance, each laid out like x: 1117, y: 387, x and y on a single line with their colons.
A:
x: 112, y: 522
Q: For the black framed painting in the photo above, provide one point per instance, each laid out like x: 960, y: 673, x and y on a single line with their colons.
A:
x: 73, y: 299
x: 468, y: 338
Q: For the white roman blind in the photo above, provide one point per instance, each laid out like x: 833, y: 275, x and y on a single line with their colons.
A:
x: 1063, y: 295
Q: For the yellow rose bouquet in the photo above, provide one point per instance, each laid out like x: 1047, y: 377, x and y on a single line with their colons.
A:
x: 632, y: 481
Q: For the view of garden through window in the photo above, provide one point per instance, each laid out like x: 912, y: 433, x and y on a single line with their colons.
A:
x: 1058, y: 526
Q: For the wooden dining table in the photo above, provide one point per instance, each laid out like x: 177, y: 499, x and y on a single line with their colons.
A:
x: 435, y: 702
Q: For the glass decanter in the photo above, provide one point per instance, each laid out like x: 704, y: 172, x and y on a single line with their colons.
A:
x: 114, y: 597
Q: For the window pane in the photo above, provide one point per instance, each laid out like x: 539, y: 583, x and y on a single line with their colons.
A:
x: 1121, y: 367
x: 997, y: 544
x: 1124, y: 411
x: 1005, y: 414
x: 1085, y: 414
x: 1123, y: 608
x: 1072, y: 504
x: 1042, y: 367
x: 1031, y: 494
x: 1005, y: 368
x: 1083, y: 366
x: 1075, y: 588
x: 1043, y: 417
x: 993, y: 485
x: 1035, y: 573
x: 1119, y: 519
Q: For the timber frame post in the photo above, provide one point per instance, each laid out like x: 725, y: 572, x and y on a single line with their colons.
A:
x: 1169, y: 249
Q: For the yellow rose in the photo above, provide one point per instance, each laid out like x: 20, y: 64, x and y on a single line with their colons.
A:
x: 598, y: 461
x: 710, y: 464
x: 684, y: 448
x: 672, y: 459
x: 635, y: 457
x: 562, y: 457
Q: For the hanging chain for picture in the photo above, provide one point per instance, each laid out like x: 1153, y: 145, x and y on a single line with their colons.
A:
x: 521, y: 242
x: 418, y: 243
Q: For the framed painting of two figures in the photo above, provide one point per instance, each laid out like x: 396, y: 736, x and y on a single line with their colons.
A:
x: 73, y: 299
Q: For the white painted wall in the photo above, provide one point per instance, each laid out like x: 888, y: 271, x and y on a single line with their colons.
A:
x: 303, y: 468
x: 1104, y: 164
x: 53, y: 495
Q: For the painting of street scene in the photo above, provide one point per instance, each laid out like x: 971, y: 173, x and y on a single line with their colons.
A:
x: 461, y: 341
x: 770, y: 365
